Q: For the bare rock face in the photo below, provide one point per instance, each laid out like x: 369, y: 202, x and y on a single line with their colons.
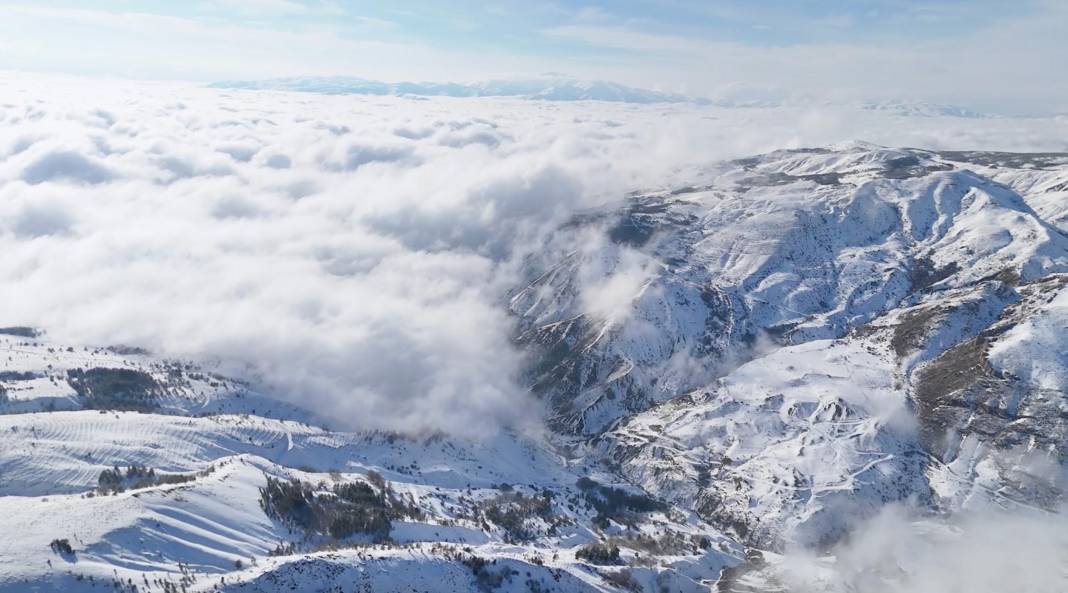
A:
x: 972, y: 410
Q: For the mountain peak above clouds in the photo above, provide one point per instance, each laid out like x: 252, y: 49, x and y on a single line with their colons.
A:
x: 922, y: 109
x: 546, y: 89
x: 562, y: 88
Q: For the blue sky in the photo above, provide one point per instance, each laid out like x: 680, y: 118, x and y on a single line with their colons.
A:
x: 980, y: 53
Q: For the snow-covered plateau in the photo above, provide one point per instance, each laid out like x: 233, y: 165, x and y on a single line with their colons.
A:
x: 835, y: 367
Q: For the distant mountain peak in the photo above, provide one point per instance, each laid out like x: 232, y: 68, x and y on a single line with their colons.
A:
x: 922, y: 109
x: 545, y: 89
x: 558, y: 87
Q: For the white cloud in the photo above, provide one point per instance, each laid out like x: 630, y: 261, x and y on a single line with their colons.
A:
x: 617, y: 37
x: 612, y: 280
x: 979, y: 552
x: 259, y: 7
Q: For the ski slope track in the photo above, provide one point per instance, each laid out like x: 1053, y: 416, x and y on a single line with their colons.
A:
x: 731, y: 366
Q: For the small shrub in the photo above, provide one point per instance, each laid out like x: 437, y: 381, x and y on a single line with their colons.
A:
x: 115, y: 389
x: 136, y: 477
x: 341, y: 511
x: 486, y: 579
x: 518, y: 515
x: 62, y: 546
x: 622, y: 579
x: 599, y: 554
x: 670, y: 543
x: 283, y: 549
x: 376, y: 479
x: 20, y: 331
x: 584, y: 483
x: 615, y: 503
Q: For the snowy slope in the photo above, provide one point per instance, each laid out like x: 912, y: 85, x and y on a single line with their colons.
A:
x: 199, y: 529
x: 791, y: 445
x: 785, y: 247
x: 40, y: 374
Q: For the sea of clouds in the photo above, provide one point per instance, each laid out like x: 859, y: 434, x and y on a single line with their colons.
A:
x: 351, y: 254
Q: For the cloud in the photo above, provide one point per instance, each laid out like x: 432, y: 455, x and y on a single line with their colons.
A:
x: 351, y: 254
x: 65, y: 165
x: 278, y: 161
x: 611, y: 283
x: 38, y: 218
x: 259, y: 7
x: 616, y: 37
x: 897, y: 551
x: 358, y: 155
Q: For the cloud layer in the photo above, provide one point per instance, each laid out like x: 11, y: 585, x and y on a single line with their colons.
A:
x: 348, y: 253
x: 978, y: 551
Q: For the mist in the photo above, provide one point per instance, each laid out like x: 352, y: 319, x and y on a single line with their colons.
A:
x: 987, y: 550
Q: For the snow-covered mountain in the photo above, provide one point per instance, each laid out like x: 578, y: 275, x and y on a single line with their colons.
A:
x: 546, y: 89
x: 922, y: 109
x: 569, y: 89
x: 785, y: 248
x: 732, y: 365
x: 121, y: 470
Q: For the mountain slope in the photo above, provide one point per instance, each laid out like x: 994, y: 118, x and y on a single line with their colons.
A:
x: 783, y: 248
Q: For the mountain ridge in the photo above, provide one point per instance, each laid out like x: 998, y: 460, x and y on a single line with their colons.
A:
x: 563, y: 89
x: 570, y: 89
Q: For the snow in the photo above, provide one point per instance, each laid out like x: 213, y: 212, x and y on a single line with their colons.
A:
x: 1036, y: 350
x: 810, y: 242
x: 50, y: 463
x: 188, y: 390
x: 803, y: 429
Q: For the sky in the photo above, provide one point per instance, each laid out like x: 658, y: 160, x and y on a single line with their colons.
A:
x: 982, y: 54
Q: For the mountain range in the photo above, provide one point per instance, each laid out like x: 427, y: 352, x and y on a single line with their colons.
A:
x: 805, y: 338
x: 563, y: 89
x: 549, y: 89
